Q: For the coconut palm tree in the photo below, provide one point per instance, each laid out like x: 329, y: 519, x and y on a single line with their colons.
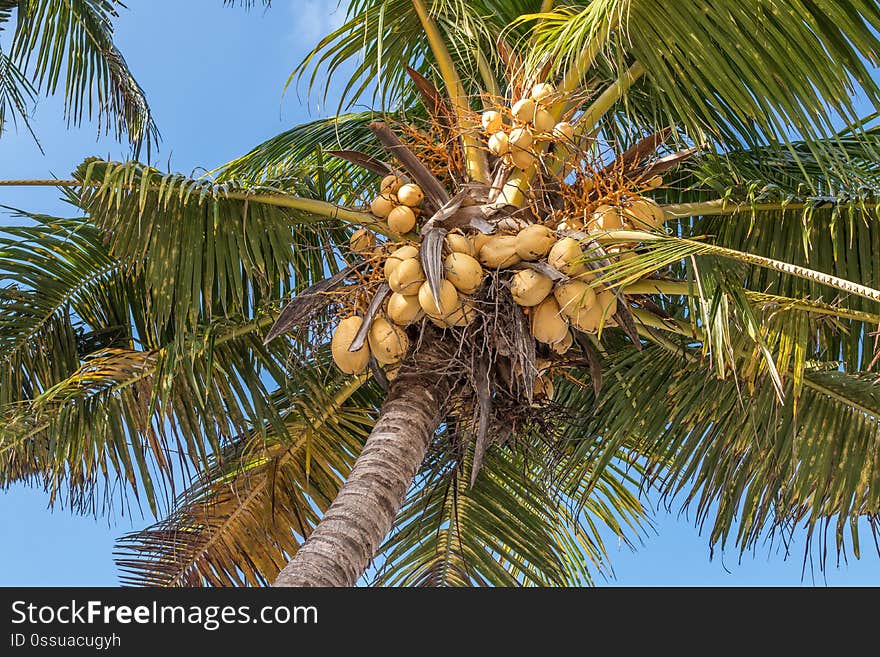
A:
x: 578, y: 250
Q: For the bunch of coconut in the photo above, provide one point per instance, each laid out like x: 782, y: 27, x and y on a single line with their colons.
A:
x: 555, y: 308
x: 533, y: 124
x: 398, y: 203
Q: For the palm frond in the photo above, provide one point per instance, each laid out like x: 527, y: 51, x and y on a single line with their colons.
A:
x: 70, y: 43
x: 241, y: 521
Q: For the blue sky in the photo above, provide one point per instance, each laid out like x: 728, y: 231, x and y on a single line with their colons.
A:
x: 214, y: 78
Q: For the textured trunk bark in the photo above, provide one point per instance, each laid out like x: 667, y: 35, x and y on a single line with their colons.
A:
x: 342, y: 545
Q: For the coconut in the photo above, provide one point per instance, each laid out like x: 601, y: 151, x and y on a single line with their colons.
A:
x: 461, y: 316
x: 491, y: 121
x: 499, y: 251
x: 524, y: 110
x: 572, y: 223
x: 392, y: 372
x: 605, y: 217
x: 397, y: 257
x: 464, y: 272
x: 564, y: 131
x: 499, y: 143
x: 563, y: 345
x: 606, y: 301
x: 407, y: 277
x: 382, y: 205
x: 566, y: 256
x: 403, y: 309
x: 388, y: 342
x: 410, y: 194
x: 350, y: 362
x: 511, y: 224
x: 401, y: 219
x: 361, y: 241
x: 458, y: 243
x: 479, y: 240
x: 534, y: 242
x: 578, y: 302
x: 544, y: 121
x: 529, y: 288
x: 449, y: 300
x: 520, y: 139
x: 541, y: 91
x: 548, y: 325
x: 519, y: 159
x: 644, y: 213
x: 391, y: 183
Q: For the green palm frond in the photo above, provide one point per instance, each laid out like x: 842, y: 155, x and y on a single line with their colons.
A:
x: 240, y: 521
x: 16, y: 95
x: 738, y: 73
x: 521, y: 524
x: 733, y: 452
x: 204, y: 248
x: 69, y: 43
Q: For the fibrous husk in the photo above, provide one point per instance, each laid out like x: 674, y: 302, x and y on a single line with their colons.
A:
x: 404, y: 310
x: 499, y: 251
x: 407, y: 277
x: 548, y: 324
x: 534, y: 242
x: 464, y: 272
x: 350, y: 362
x: 529, y: 288
x: 388, y: 342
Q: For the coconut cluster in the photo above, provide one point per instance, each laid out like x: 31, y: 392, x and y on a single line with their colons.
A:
x: 532, y: 125
x: 398, y: 203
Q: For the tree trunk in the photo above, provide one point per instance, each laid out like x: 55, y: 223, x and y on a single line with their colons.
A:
x: 345, y: 540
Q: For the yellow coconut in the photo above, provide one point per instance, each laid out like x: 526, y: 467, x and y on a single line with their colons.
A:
x: 388, y: 342
x: 410, y: 194
x: 548, y: 324
x: 499, y: 251
x: 578, y: 302
x: 464, y: 272
x: 362, y: 241
x: 606, y: 301
x: 350, y: 362
x: 479, y: 240
x: 382, y: 205
x: 519, y: 159
x: 407, y: 277
x: 563, y: 345
x: 564, y: 131
x: 644, y: 213
x: 529, y: 288
x: 572, y: 223
x: 541, y: 91
x: 534, y: 242
x: 458, y: 243
x: 566, y: 256
x: 401, y: 219
x: 404, y: 309
x: 544, y: 121
x: 605, y: 217
x: 499, y: 143
x: 397, y: 257
x: 491, y: 121
x: 392, y: 372
x: 524, y: 110
x: 391, y: 183
x: 520, y: 139
x: 449, y: 300
x: 461, y: 316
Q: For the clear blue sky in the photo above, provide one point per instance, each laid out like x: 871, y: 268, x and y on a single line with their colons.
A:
x: 214, y: 78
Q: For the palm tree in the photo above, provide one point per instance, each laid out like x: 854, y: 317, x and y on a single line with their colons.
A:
x: 693, y: 314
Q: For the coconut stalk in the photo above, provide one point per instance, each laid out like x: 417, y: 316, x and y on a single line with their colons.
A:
x: 474, y: 156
